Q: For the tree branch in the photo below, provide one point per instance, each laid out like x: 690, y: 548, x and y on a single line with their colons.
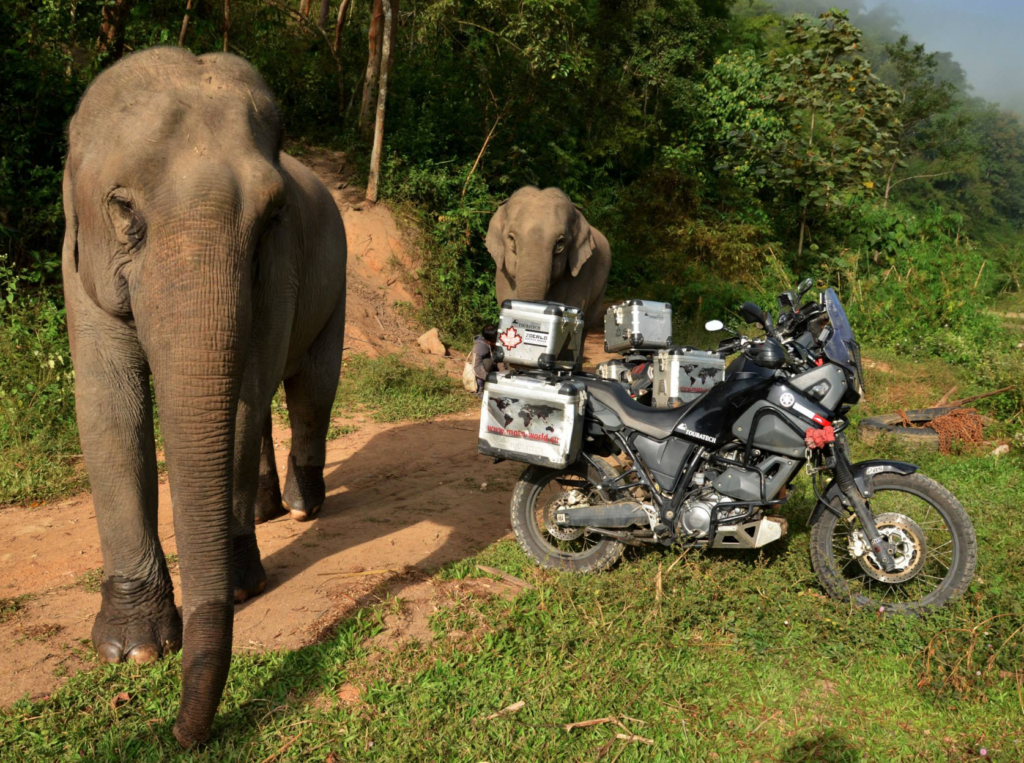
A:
x: 490, y: 31
x: 481, y: 154
x: 311, y: 27
x: 918, y: 177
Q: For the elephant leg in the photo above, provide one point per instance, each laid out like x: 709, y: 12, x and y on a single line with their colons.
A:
x: 137, y: 620
x: 310, y: 395
x: 253, y: 420
x: 268, y: 487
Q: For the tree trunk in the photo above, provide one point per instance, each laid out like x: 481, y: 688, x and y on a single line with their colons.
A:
x: 325, y: 8
x: 372, y: 67
x: 304, y: 7
x: 115, y: 16
x: 803, y: 229
x: 227, y: 23
x: 339, y: 25
x: 803, y: 211
x: 184, y: 25
x: 390, y: 12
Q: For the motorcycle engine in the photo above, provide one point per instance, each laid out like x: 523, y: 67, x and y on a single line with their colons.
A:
x: 695, y: 516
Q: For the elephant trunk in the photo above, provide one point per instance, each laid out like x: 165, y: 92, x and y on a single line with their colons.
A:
x: 534, y: 281
x: 193, y: 321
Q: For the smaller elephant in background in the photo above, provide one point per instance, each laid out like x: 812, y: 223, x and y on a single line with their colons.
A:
x: 545, y: 249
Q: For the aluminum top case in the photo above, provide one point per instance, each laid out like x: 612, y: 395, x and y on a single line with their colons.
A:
x: 681, y: 375
x: 545, y: 335
x: 638, y: 325
x: 532, y: 418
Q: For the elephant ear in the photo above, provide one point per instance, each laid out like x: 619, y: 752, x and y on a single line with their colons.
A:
x: 496, y: 237
x: 70, y: 251
x: 583, y: 243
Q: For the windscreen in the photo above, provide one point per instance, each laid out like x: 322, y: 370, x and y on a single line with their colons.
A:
x: 842, y: 348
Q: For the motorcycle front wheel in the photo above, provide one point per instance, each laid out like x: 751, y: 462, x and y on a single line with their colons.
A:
x: 932, y: 537
x: 539, y: 493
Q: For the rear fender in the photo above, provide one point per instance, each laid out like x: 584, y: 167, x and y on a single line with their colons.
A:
x: 863, y: 475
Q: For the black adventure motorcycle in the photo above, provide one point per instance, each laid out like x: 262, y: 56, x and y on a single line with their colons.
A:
x: 710, y: 473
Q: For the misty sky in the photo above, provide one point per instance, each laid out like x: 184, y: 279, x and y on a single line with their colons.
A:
x: 985, y: 36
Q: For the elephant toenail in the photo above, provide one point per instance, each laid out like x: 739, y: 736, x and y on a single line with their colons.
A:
x: 109, y: 653
x: 240, y: 595
x: 143, y: 654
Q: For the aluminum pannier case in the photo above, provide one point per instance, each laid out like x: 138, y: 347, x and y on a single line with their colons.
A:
x: 532, y: 418
x: 682, y: 375
x: 638, y: 325
x: 545, y: 335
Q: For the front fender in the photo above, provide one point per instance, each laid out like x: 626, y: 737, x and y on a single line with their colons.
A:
x: 863, y: 476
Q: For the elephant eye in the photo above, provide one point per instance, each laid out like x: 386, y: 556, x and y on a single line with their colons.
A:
x: 560, y: 245
x: 130, y: 225
x: 512, y: 243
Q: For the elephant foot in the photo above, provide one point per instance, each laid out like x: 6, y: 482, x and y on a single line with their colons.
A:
x: 250, y: 579
x: 268, y: 499
x: 137, y: 621
x: 304, y: 492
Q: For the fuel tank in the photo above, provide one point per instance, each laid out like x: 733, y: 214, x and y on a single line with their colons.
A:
x: 752, y: 402
x: 710, y: 418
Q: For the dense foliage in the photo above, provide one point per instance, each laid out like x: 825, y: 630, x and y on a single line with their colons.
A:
x: 724, y: 148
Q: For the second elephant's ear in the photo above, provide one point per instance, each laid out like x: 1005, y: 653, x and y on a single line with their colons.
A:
x: 495, y: 241
x: 70, y: 251
x: 583, y: 243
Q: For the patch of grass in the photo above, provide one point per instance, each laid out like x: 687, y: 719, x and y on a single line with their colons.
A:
x: 39, y: 449
x: 11, y: 608
x: 91, y: 580
x: 279, y: 407
x: 41, y: 631
x: 395, y: 391
x: 334, y: 431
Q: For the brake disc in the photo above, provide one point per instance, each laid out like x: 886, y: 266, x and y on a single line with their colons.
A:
x: 909, y: 548
x: 572, y: 498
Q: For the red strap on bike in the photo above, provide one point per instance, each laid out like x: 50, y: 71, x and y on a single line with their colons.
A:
x: 819, y: 438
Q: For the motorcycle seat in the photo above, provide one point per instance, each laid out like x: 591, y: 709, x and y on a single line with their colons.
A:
x: 658, y: 423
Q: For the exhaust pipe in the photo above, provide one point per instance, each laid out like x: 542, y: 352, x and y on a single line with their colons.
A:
x: 617, y: 515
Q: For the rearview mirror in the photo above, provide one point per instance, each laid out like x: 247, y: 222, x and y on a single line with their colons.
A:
x: 751, y: 313
x: 805, y: 286
x: 714, y: 326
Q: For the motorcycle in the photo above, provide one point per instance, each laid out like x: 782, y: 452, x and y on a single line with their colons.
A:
x: 710, y: 474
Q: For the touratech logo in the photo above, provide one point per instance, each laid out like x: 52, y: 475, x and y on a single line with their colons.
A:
x: 705, y: 437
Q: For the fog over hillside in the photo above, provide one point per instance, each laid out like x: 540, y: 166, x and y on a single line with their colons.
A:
x: 983, y: 36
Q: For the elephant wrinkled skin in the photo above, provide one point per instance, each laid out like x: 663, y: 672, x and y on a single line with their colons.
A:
x: 195, y: 252
x: 544, y: 248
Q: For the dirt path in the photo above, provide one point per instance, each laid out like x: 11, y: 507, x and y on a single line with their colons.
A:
x: 399, y: 496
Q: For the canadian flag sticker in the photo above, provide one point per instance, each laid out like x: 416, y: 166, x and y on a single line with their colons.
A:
x: 510, y: 338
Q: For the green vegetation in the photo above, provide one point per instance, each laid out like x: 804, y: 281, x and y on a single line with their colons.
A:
x: 726, y: 149
x: 38, y: 433
x: 395, y: 391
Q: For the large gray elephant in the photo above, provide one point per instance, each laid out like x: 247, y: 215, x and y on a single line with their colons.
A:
x: 197, y: 252
x: 544, y: 248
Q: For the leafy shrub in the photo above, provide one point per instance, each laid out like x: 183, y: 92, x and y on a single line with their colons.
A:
x: 38, y: 432
x: 457, y: 274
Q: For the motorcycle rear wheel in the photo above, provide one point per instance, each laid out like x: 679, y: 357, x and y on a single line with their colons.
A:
x: 936, y: 549
x: 534, y: 501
